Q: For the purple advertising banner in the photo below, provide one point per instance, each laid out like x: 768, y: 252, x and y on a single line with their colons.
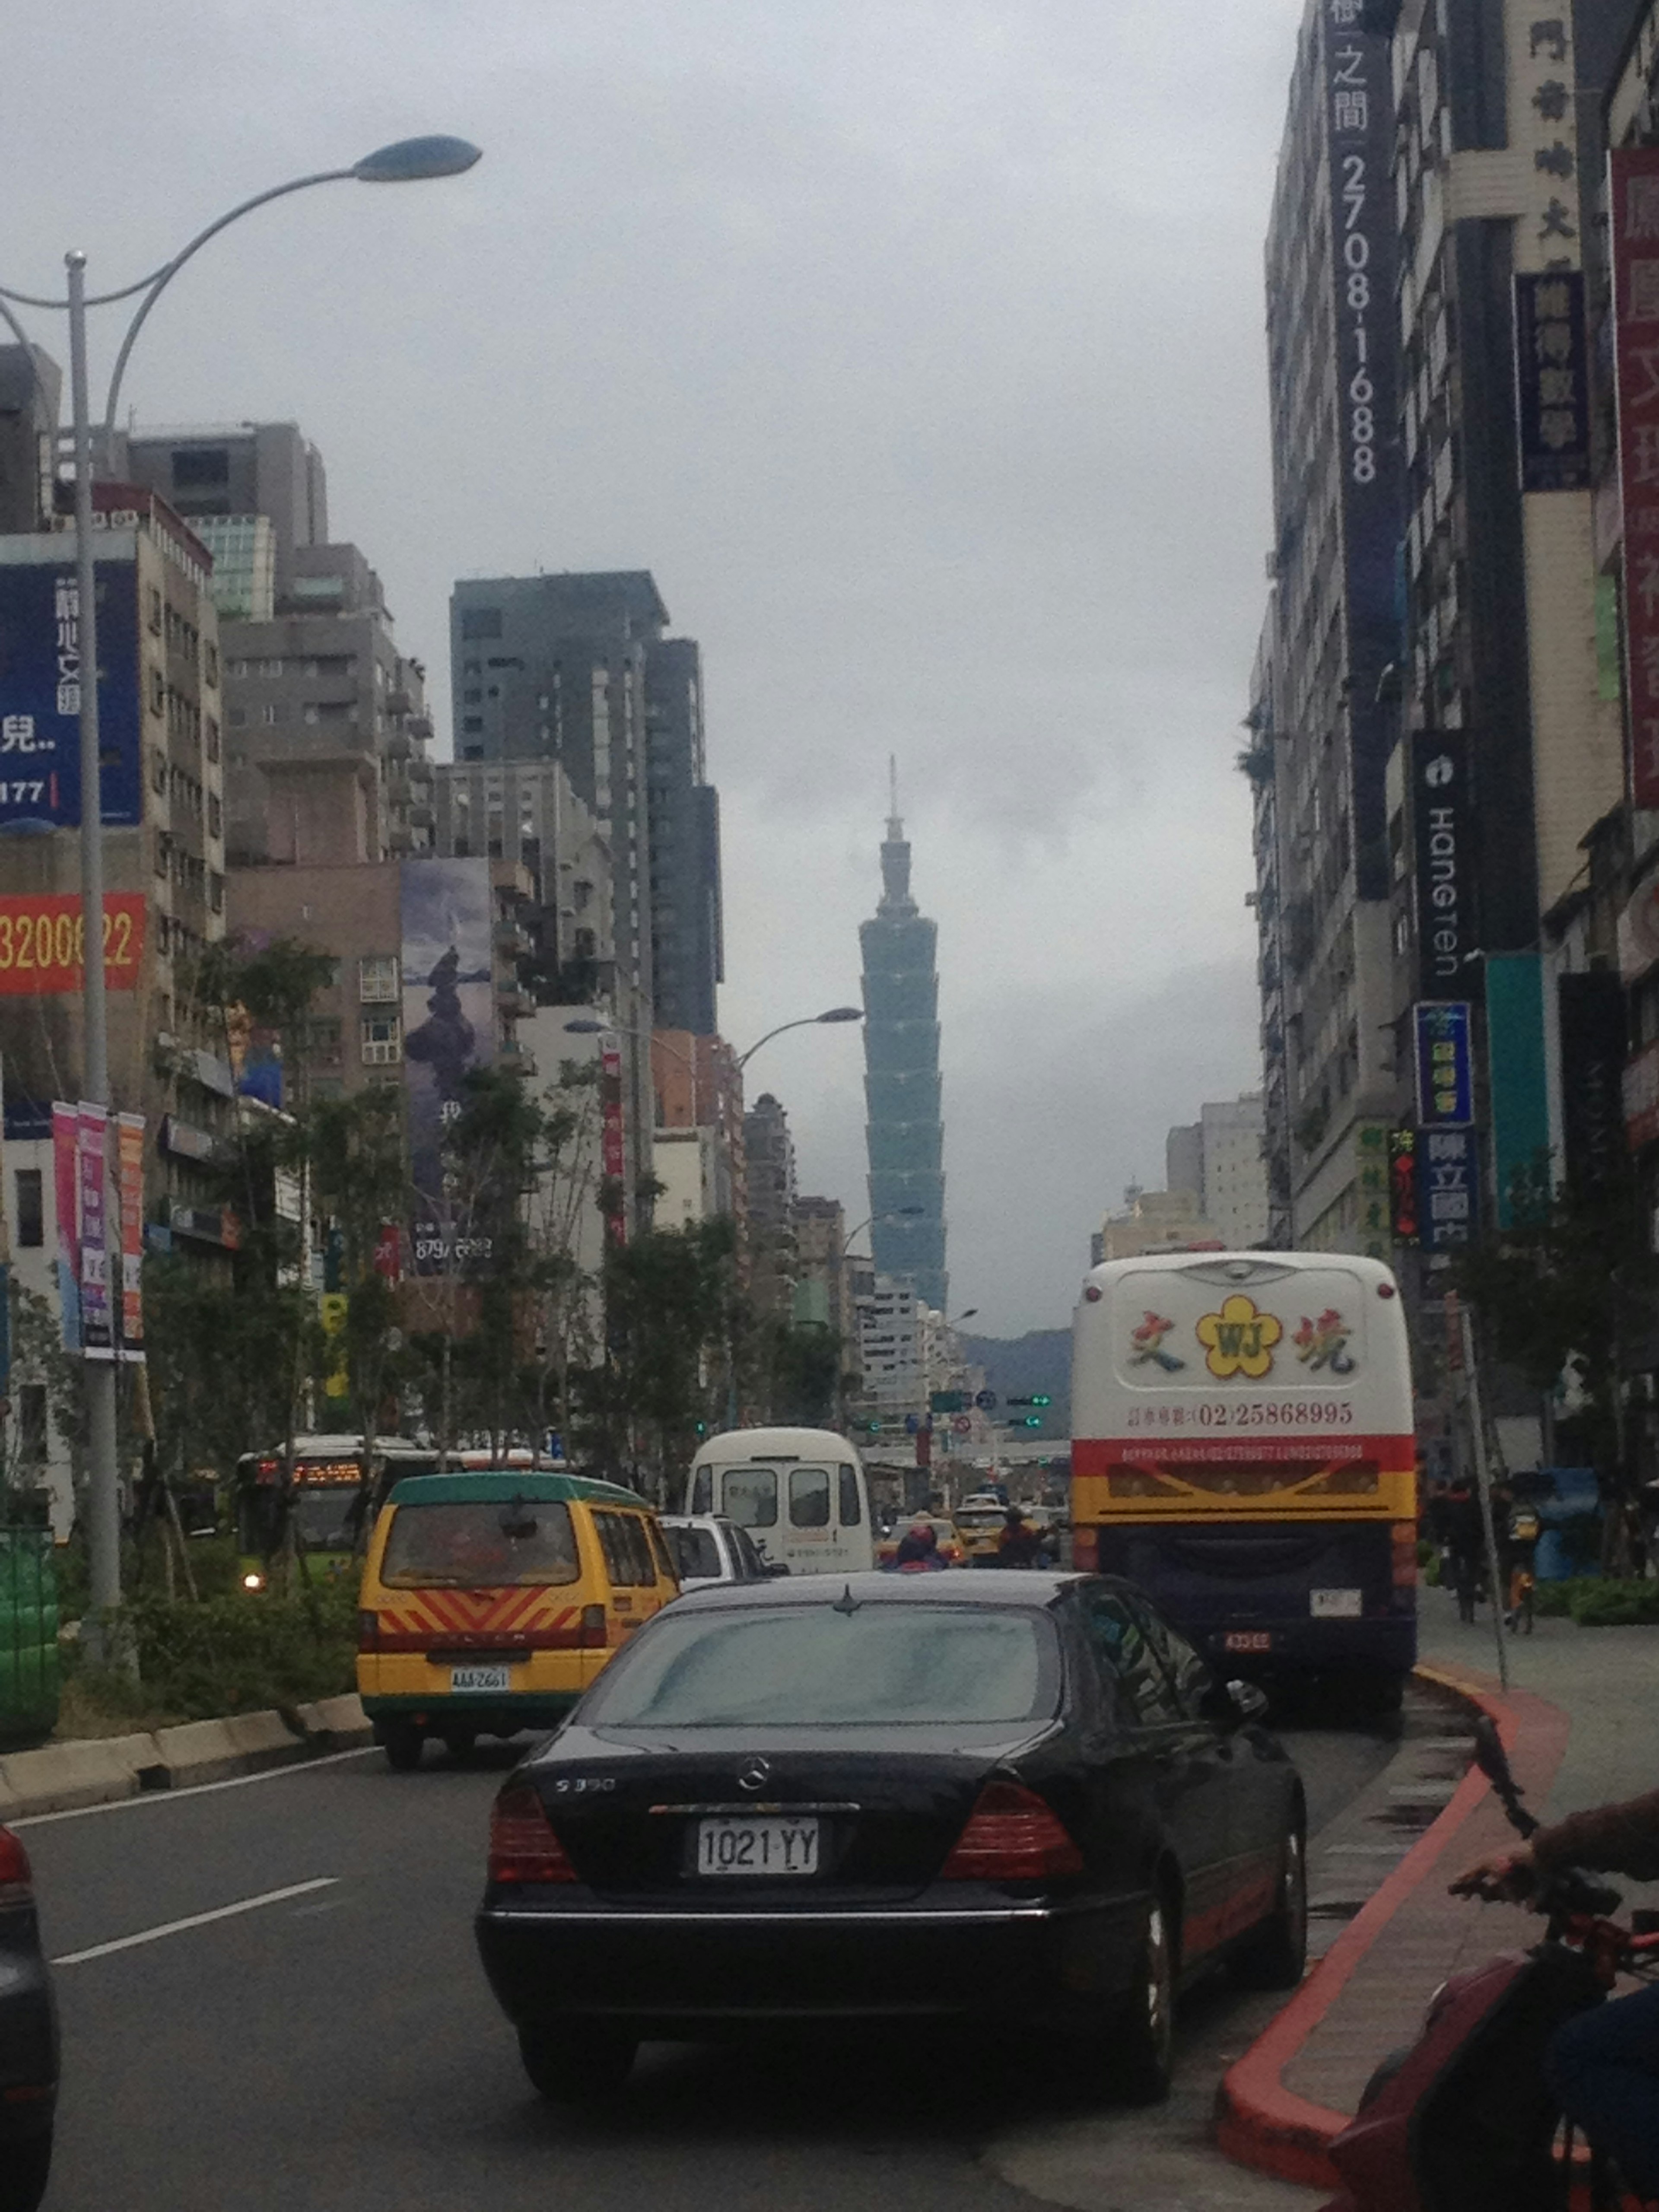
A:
x: 449, y: 1029
x: 65, y: 1182
x: 97, y: 1315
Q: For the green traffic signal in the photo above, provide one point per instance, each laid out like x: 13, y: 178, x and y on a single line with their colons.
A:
x: 1033, y: 1421
x: 1042, y: 1399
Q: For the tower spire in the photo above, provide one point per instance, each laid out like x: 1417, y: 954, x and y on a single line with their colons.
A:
x: 895, y: 853
x: 895, y: 827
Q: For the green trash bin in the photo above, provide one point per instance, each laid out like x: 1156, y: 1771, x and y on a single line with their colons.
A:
x: 28, y: 1634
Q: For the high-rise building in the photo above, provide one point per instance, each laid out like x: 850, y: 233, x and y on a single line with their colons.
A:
x: 579, y: 669
x: 1219, y: 1158
x: 905, y: 1127
x: 1322, y: 721
x: 687, y: 947
x: 769, y: 1151
x: 327, y: 735
x: 527, y: 811
x: 31, y: 385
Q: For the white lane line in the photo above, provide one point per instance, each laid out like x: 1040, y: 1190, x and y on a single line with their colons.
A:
x: 195, y: 1920
x: 194, y: 1788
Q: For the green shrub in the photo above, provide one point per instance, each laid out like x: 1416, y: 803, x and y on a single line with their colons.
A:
x: 1605, y: 1601
x: 1554, y: 1600
x: 238, y: 1654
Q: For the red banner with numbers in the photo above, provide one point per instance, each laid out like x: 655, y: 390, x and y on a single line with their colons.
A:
x: 43, y: 947
x: 1635, y: 225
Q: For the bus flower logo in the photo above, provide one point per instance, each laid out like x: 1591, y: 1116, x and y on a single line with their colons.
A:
x: 1148, y: 1341
x: 1239, y: 1339
x: 1324, y: 1343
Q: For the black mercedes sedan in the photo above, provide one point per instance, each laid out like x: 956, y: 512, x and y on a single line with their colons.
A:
x: 1012, y: 1801
x: 28, y: 2039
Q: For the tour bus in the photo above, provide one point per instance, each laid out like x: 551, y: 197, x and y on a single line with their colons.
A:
x: 330, y: 1513
x: 1243, y: 1448
x: 801, y: 1493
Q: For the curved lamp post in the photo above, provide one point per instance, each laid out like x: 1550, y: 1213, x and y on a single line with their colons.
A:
x: 806, y: 1022
x: 407, y: 161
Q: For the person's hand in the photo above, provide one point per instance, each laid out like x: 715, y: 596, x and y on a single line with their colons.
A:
x: 1506, y: 1877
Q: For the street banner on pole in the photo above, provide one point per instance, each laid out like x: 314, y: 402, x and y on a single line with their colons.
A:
x: 1634, y: 222
x: 129, y: 1140
x: 97, y: 1315
x: 65, y: 1137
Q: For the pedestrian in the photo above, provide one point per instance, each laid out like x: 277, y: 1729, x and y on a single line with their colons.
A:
x: 1019, y: 1544
x: 1464, y: 1542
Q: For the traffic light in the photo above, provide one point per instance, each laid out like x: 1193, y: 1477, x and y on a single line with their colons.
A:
x: 874, y: 1427
x: 1032, y: 1421
x: 1042, y: 1399
x: 703, y: 1428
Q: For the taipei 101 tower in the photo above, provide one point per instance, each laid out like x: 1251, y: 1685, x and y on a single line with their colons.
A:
x: 905, y: 1129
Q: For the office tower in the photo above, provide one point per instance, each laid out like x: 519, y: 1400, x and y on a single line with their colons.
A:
x: 904, y: 1131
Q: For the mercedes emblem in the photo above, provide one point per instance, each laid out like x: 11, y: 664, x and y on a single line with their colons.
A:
x: 756, y: 1774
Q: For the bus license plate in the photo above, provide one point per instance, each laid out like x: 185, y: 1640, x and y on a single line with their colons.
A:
x: 463, y: 1678
x: 1246, y: 1639
x: 1335, y: 1604
x: 759, y: 1846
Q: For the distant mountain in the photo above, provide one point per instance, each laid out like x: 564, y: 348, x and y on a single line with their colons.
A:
x: 1026, y: 1367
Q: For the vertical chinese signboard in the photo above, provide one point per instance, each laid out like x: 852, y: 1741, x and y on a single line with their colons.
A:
x: 1445, y: 1072
x: 1551, y: 383
x: 1359, y: 124
x: 612, y: 1144
x: 97, y: 1314
x: 1635, y: 227
x: 1448, y: 1174
x: 129, y: 1142
x: 1371, y: 1142
x: 1402, y: 1185
x: 65, y: 1174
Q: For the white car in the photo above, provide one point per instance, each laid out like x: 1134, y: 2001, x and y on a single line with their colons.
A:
x: 707, y: 1548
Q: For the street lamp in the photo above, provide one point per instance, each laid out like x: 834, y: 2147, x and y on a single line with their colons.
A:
x: 806, y: 1022
x: 404, y: 163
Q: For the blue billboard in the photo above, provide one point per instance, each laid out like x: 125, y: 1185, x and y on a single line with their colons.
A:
x: 41, y: 680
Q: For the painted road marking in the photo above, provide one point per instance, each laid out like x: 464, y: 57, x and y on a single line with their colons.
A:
x: 194, y: 1788
x: 195, y: 1920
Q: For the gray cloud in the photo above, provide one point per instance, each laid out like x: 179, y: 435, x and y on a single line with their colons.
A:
x: 915, y: 345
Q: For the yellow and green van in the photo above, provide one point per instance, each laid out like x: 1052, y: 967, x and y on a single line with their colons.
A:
x: 490, y: 1600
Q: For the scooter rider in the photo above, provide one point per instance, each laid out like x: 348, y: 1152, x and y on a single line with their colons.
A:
x: 1602, y: 2067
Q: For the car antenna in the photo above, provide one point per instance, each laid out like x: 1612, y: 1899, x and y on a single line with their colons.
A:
x: 847, y: 1603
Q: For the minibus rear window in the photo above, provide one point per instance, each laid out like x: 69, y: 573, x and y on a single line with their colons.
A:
x: 479, y: 1545
x: 750, y: 1495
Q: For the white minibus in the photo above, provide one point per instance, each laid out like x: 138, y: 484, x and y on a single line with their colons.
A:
x: 800, y: 1493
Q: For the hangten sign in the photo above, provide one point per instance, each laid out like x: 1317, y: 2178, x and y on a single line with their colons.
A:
x: 1442, y: 841
x: 1635, y: 227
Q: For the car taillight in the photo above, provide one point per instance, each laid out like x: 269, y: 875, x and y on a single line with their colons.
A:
x: 1085, y: 1551
x: 1011, y: 1835
x: 368, y: 1632
x: 15, y: 1885
x: 522, y: 1844
x: 1405, y: 1553
x: 593, y: 1629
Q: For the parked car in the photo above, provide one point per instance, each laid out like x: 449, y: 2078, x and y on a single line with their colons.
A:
x: 1017, y: 1802
x: 28, y: 2038
x: 707, y: 1548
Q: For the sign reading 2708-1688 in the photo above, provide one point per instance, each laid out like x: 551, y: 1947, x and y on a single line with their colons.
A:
x: 41, y: 675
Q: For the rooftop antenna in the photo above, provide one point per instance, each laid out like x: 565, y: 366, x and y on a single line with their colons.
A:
x: 892, y: 794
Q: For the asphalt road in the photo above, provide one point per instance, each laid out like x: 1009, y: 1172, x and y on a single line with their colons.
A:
x: 334, y: 2046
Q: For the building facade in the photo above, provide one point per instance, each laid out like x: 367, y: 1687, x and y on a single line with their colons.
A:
x: 769, y: 1151
x: 904, y: 1094
x: 1220, y: 1158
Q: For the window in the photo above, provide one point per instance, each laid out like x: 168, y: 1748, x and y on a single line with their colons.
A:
x: 153, y: 616
x: 1141, y: 1692
x: 158, y: 769
x: 809, y: 1498
x: 699, y: 1554
x: 816, y: 1665
x: 238, y: 719
x: 210, y: 666
x: 703, y: 1490
x: 852, y: 1502
x: 479, y: 1546
x: 472, y: 723
x: 270, y: 715
x: 211, y: 732
x: 382, y: 1043
x: 196, y: 468
x: 158, y: 692
x: 1191, y: 1677
x: 628, y: 1557
x: 30, y: 1210
x: 32, y: 1424
x: 481, y: 622
x: 321, y: 1039
x: 749, y: 1496
x: 215, y: 816
x: 378, y: 981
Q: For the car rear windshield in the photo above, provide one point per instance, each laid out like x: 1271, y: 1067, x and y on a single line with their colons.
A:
x: 695, y: 1552
x: 820, y: 1665
x: 479, y: 1545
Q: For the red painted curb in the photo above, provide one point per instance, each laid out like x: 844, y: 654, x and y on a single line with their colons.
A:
x: 1258, y: 2122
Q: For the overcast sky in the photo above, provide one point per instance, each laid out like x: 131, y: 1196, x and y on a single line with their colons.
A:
x: 914, y: 345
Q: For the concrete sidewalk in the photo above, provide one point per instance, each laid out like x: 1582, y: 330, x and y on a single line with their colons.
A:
x: 1580, y: 1723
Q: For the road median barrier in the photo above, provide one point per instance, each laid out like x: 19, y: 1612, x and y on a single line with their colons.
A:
x: 1260, y: 2121
x: 62, y: 1778
x: 214, y: 1751
x: 335, y: 1723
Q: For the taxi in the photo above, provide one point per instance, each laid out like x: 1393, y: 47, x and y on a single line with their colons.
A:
x: 491, y: 1600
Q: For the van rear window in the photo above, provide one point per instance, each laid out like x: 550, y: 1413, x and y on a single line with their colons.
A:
x: 479, y: 1545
